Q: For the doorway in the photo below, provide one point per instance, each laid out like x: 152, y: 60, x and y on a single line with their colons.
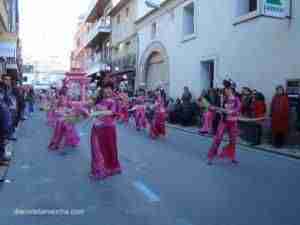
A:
x: 207, y: 74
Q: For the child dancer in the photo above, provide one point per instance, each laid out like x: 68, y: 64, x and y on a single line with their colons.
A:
x: 140, y: 113
x: 208, y: 116
x: 229, y: 122
x: 158, y: 124
x: 64, y: 128
x: 124, y: 106
x: 104, y: 137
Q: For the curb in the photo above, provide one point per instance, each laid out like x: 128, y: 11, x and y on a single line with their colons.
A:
x: 241, y: 144
x: 4, y: 169
x: 8, y: 149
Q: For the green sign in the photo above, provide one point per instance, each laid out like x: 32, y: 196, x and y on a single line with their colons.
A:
x: 276, y: 8
x: 275, y: 2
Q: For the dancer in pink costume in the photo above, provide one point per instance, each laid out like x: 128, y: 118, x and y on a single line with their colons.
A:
x: 104, y: 138
x: 64, y: 130
x: 51, y: 115
x: 124, y: 107
x: 229, y: 122
x: 208, y: 116
x: 158, y: 124
x: 140, y: 113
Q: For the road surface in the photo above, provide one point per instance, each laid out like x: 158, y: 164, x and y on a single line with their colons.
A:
x: 164, y: 182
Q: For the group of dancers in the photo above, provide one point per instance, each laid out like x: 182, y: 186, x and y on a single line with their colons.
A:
x: 108, y: 108
x: 111, y: 107
x: 148, y: 112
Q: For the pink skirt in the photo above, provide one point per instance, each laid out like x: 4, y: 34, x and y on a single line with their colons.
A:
x: 104, y: 152
x: 158, y: 125
x: 64, y: 132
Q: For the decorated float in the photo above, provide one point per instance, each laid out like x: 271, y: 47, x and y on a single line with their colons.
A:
x: 76, y: 84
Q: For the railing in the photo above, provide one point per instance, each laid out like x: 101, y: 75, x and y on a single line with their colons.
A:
x: 92, y: 5
x: 103, y: 25
x: 125, y: 62
x: 95, y: 63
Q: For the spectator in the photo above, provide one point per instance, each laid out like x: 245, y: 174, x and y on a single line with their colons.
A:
x: 187, y: 114
x: 30, y: 96
x: 259, y: 111
x: 246, y: 99
x: 279, y: 117
x: 186, y: 96
x: 11, y: 102
x: 5, y: 124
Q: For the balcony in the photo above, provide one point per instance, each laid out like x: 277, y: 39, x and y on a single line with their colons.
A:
x: 126, y: 62
x: 95, y: 10
x: 95, y: 64
x: 102, y: 26
x: 96, y: 33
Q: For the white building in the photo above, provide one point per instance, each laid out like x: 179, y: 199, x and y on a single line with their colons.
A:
x: 196, y: 43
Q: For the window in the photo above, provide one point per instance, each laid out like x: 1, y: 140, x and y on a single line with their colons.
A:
x: 189, y: 19
x: 245, y: 7
x: 153, y: 30
x: 252, y: 5
x: 127, y: 12
x: 118, y: 19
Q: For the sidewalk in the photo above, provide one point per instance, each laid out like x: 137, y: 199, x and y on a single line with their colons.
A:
x: 289, y: 151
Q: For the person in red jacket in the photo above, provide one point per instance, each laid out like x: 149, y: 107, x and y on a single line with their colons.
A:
x: 259, y: 111
x: 280, y: 117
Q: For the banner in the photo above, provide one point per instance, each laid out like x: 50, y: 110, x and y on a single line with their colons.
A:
x: 277, y: 8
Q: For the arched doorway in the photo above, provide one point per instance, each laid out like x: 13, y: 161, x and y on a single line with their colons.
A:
x: 155, y: 67
x: 156, y: 71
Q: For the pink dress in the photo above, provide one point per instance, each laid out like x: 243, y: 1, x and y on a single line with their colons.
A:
x: 158, y: 125
x: 104, y: 149
x: 124, y: 106
x: 63, y: 131
x: 229, y: 123
x: 140, y: 114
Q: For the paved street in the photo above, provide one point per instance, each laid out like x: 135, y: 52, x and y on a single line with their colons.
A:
x: 165, y: 182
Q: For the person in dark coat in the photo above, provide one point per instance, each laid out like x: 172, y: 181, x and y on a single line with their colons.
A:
x: 4, y: 125
x: 187, y: 108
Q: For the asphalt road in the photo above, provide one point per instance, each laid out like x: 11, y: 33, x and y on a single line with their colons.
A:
x: 164, y: 182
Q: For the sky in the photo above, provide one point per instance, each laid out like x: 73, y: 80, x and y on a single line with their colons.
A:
x: 47, y: 27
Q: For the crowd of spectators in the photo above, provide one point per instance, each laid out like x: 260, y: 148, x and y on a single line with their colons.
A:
x: 186, y: 112
x: 13, y: 101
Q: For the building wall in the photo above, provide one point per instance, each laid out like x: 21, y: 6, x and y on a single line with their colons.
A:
x: 260, y: 53
x: 126, y: 28
x: 4, y: 17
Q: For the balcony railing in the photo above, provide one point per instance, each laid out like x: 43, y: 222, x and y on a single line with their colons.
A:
x: 102, y: 26
x: 95, y: 63
x: 91, y: 7
x: 125, y: 62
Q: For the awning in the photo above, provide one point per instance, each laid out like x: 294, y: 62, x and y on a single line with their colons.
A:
x: 123, y: 72
x: 8, y: 45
